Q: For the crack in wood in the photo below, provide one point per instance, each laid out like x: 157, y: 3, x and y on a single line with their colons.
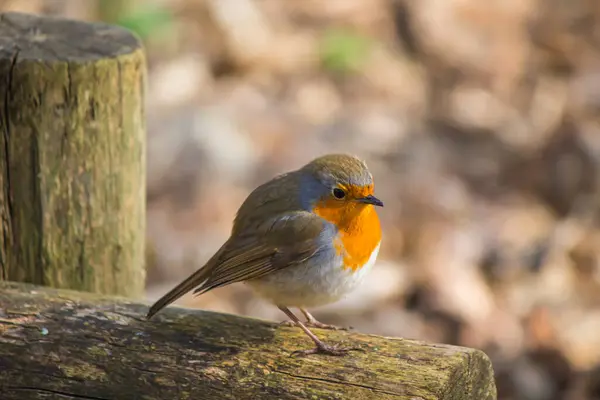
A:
x: 337, y: 382
x: 8, y: 224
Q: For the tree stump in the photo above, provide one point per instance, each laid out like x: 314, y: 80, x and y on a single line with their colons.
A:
x: 72, y: 155
x: 61, y: 344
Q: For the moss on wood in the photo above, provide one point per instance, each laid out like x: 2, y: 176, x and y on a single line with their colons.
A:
x: 88, y: 346
x: 72, y: 155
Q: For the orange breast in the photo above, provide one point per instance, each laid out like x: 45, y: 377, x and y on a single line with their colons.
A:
x: 360, y: 231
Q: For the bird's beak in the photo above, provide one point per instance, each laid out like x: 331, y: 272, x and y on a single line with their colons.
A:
x: 370, y: 199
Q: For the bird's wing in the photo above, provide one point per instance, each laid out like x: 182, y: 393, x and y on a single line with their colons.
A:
x: 273, y: 244
x: 277, y: 243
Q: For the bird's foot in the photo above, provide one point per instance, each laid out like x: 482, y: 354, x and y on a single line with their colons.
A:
x: 312, y: 321
x: 332, y: 350
x: 320, y: 325
x: 316, y: 324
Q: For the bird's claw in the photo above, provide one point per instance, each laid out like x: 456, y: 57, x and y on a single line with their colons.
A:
x: 320, y: 325
x: 287, y: 323
x: 317, y: 324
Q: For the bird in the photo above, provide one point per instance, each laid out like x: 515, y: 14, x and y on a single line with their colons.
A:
x: 303, y: 239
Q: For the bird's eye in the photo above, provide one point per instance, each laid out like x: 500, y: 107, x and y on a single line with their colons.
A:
x: 339, y: 193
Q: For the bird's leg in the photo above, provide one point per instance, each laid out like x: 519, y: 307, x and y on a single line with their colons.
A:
x: 320, y: 346
x: 312, y: 321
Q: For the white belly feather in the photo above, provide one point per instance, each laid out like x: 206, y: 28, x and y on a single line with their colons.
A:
x: 314, y: 283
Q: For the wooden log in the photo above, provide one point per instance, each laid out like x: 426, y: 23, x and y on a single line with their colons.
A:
x: 75, y: 345
x: 72, y: 155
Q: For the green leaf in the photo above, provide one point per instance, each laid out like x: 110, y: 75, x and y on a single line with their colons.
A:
x: 343, y: 51
x: 146, y: 21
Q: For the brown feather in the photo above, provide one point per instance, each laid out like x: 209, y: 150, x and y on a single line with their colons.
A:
x: 277, y: 243
x: 188, y: 284
x: 274, y: 244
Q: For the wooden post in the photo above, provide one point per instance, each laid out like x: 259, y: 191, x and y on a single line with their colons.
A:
x: 63, y: 344
x: 72, y: 155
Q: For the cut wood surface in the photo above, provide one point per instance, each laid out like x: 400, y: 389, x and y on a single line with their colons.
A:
x: 72, y: 155
x: 74, y: 345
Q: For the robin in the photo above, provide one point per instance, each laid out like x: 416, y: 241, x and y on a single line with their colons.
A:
x: 303, y: 239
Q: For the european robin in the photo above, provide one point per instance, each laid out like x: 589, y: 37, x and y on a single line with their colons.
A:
x: 304, y: 239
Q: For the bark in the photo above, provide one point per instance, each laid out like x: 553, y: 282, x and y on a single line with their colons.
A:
x: 72, y: 155
x: 79, y: 345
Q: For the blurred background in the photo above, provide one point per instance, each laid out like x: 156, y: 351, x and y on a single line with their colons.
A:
x: 479, y: 119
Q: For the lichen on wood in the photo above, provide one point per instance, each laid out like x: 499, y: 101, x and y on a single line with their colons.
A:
x: 72, y: 155
x: 86, y: 346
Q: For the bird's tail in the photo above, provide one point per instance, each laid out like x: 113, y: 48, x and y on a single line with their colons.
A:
x: 188, y: 284
x: 196, y: 279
